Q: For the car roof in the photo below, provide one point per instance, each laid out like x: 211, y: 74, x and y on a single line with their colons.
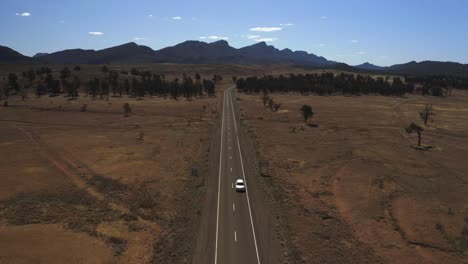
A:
x: 240, y: 181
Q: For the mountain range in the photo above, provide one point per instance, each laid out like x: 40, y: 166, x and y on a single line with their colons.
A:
x: 220, y: 52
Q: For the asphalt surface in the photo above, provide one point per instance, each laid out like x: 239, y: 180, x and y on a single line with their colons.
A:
x: 235, y: 240
x: 235, y: 227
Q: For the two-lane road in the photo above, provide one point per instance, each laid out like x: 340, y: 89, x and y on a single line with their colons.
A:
x: 235, y: 230
x: 235, y: 227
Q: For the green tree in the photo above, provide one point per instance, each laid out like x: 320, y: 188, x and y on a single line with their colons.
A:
x: 416, y: 129
x: 307, y: 112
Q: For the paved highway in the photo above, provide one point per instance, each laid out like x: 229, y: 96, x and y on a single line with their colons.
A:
x: 235, y: 230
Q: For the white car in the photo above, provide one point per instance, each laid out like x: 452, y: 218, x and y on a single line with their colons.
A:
x: 240, y: 186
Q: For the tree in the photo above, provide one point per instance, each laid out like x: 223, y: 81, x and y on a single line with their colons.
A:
x: 104, y: 69
x: 134, y: 71
x: 65, y: 73
x: 31, y: 76
x: 127, y: 109
x: 276, y: 106
x: 12, y: 83
x: 77, y: 68
x: 265, y: 98
x: 307, y: 112
x: 40, y: 89
x: 271, y: 103
x: 417, y: 129
x: 426, y: 114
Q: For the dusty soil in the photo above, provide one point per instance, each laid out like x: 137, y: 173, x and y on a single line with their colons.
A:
x: 98, y: 187
x: 349, y: 188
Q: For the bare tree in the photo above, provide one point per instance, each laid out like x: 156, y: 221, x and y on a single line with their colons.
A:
x: 426, y: 114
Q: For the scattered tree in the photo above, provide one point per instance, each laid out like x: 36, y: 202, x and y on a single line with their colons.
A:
x: 415, y: 128
x: 84, y: 108
x: 127, y: 109
x: 426, y: 114
x: 65, y: 73
x: 271, y: 103
x: 265, y: 98
x: 12, y: 83
x: 276, y: 106
x: 307, y: 112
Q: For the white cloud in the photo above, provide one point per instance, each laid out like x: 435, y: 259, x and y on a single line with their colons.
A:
x: 287, y: 24
x: 361, y: 52
x: 324, y: 17
x: 150, y: 16
x: 322, y: 45
x: 96, y: 33
x: 253, y: 36
x: 355, y: 41
x: 138, y: 38
x: 177, y: 18
x: 265, y: 29
x: 25, y: 14
x: 62, y: 21
x: 215, y: 38
x: 266, y: 39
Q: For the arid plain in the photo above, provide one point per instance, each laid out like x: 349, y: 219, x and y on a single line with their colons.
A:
x: 349, y: 188
x: 99, y: 187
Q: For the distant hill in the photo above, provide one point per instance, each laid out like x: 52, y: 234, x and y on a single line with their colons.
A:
x: 191, y: 51
x: 70, y: 56
x: 263, y: 53
x: 38, y: 55
x: 219, y: 52
x: 430, y: 68
x: 199, y: 52
x: 8, y: 55
x: 127, y: 53
x: 369, y: 66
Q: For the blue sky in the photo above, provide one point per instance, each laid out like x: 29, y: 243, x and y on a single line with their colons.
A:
x: 352, y: 31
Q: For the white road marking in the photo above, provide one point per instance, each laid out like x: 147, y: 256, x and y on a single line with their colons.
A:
x: 235, y: 236
x: 219, y: 180
x: 232, y: 185
x: 245, y: 181
x: 233, y: 207
x: 230, y: 157
x: 231, y: 169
